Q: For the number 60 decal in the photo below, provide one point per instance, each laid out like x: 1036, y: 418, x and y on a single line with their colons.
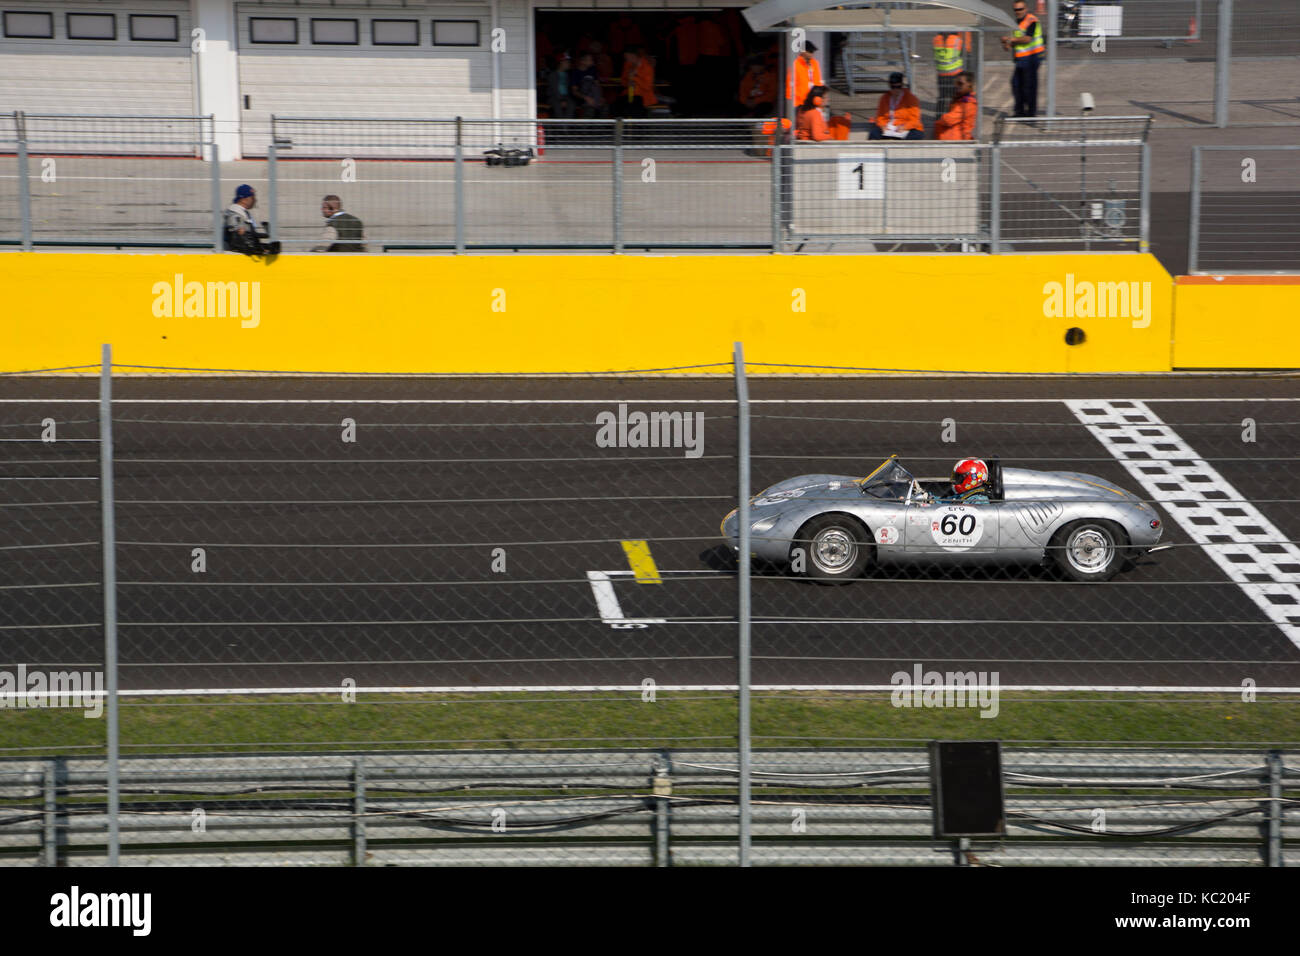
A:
x: 957, y: 527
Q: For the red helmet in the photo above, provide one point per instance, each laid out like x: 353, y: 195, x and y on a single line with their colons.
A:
x: 968, y: 474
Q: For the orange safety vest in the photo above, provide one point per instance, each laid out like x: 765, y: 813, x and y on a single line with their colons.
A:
x: 640, y: 83
x: 1031, y: 28
x: 947, y: 54
x: 769, y: 131
x: 812, y: 126
x: 958, y: 122
x: 802, y: 78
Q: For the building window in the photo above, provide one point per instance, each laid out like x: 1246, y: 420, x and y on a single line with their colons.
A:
x: 29, y: 26
x: 395, y: 32
x: 273, y: 29
x: 455, y: 33
x: 92, y: 26
x: 334, y: 31
x: 152, y: 27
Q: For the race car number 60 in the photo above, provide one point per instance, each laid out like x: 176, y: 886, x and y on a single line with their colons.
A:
x: 957, y: 527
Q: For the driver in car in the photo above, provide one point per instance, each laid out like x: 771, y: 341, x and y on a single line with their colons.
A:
x: 970, y: 482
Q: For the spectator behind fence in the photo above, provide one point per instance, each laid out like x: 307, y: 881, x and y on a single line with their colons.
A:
x: 805, y: 73
x: 1028, y: 47
x: 948, y: 65
x: 584, y: 85
x: 638, y: 84
x: 242, y: 232
x: 811, y: 123
x: 898, y: 114
x: 343, y: 231
x: 601, y: 60
x: 757, y: 93
x: 959, y: 121
x: 558, y: 94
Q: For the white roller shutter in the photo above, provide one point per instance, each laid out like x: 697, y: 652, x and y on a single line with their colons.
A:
x: 98, y: 74
x: 334, y: 68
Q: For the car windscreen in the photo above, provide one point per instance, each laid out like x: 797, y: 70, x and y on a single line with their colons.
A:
x: 888, y: 490
x: 890, y: 473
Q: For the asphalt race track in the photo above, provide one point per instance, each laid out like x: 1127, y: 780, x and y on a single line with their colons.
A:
x: 373, y: 560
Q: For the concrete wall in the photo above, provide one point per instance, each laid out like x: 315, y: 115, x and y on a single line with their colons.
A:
x: 589, y: 313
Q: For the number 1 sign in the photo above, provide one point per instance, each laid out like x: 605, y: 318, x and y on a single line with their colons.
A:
x: 861, y: 176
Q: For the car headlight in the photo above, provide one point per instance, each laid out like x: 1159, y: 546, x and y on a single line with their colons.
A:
x: 765, y: 524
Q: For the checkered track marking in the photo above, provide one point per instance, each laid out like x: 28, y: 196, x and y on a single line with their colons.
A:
x: 1248, y: 547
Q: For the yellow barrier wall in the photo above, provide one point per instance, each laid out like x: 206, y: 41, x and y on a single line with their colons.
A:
x: 1237, y: 322
x: 574, y: 313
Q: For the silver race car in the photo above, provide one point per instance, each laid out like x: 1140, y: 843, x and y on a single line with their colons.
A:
x: 833, y: 527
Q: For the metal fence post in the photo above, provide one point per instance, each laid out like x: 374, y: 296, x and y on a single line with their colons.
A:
x: 24, y: 196
x: 618, y: 185
x: 663, y: 788
x: 358, y: 812
x: 1223, y: 64
x: 110, y: 595
x: 1053, y: 13
x: 1144, y: 197
x: 1275, y: 808
x: 776, y: 189
x: 460, y: 187
x: 218, y: 222
x: 50, y: 833
x: 742, y: 653
x: 272, y: 218
x: 995, y: 198
x: 1194, y: 217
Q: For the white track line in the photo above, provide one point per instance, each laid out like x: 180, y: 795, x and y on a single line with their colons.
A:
x: 1245, y: 545
x: 637, y: 688
x: 611, y: 612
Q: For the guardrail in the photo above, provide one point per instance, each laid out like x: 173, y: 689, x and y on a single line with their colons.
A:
x: 614, y: 185
x: 1065, y: 807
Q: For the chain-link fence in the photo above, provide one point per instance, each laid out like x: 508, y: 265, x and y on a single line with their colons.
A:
x: 1245, y: 209
x: 460, y: 185
x: 347, y: 565
x: 1174, y: 59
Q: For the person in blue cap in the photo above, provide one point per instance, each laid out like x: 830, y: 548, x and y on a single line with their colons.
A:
x: 242, y: 232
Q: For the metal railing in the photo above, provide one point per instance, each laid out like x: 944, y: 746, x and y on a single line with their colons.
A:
x: 1064, y: 807
x: 1245, y: 209
x: 602, y: 185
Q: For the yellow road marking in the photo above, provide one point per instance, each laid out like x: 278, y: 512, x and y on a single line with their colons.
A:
x: 641, y: 562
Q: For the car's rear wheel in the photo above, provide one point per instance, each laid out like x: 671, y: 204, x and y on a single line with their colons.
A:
x: 1089, y: 550
x: 835, y: 548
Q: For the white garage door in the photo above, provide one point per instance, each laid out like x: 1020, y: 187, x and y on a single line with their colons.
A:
x: 418, y: 60
x: 107, y: 57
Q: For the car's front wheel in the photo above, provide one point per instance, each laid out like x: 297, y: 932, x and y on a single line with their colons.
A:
x: 834, y: 548
x: 1089, y: 550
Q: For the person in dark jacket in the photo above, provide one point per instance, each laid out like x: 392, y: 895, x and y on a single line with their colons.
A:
x: 343, y: 231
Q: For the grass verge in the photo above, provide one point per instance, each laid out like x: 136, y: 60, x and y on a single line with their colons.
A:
x: 681, y: 720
